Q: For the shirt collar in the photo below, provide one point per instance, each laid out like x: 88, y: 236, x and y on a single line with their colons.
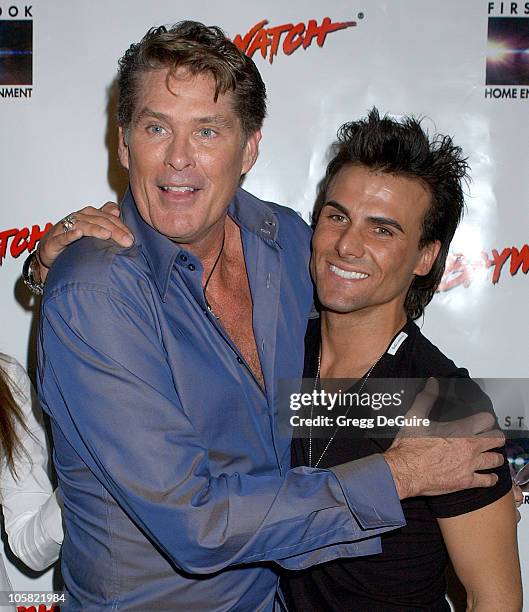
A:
x: 246, y: 210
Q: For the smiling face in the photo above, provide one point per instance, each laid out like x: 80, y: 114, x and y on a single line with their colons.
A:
x: 185, y: 154
x: 366, y: 243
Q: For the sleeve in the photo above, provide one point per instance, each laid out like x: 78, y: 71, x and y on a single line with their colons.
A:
x: 462, y: 397
x: 32, y: 514
x: 117, y: 405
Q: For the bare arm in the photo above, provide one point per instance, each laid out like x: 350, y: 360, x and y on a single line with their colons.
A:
x: 484, y: 552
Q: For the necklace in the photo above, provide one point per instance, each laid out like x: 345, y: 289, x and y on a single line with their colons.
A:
x: 316, y: 382
x: 211, y: 274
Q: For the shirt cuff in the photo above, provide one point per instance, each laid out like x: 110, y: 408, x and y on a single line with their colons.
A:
x: 370, y: 491
x: 347, y: 550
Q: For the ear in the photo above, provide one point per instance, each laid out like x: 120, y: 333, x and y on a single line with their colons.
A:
x: 251, y: 151
x: 123, y: 147
x: 427, y: 257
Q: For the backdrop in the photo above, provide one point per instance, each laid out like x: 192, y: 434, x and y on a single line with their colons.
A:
x: 464, y: 66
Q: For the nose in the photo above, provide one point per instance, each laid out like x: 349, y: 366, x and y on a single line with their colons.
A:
x: 350, y: 244
x: 179, y: 154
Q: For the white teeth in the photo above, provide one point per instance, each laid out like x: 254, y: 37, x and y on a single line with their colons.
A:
x: 348, y: 275
x: 181, y: 189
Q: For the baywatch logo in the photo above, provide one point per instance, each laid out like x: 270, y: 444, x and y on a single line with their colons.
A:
x: 288, y: 37
x: 21, y: 239
x: 462, y: 270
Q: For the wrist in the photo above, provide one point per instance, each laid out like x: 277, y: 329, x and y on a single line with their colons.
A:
x: 400, y: 472
x: 41, y: 268
x: 31, y: 274
x: 39, y: 260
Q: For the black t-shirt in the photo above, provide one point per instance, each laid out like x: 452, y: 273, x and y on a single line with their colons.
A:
x: 409, y: 573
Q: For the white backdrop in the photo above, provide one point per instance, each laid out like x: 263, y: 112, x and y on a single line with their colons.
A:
x: 420, y: 56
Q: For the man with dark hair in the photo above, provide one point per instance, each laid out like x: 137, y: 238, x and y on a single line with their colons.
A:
x: 159, y: 363
x: 403, y: 148
x: 390, y: 203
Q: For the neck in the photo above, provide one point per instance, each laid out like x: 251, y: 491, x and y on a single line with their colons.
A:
x: 207, y: 248
x: 352, y: 342
x: 218, y: 246
x: 223, y: 255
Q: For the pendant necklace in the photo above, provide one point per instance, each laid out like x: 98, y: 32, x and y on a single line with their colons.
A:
x: 208, y: 305
x: 316, y: 383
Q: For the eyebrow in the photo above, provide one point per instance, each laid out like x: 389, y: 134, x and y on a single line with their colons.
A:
x: 220, y: 120
x: 338, y: 206
x: 146, y: 112
x: 386, y: 221
x: 217, y: 120
x: 375, y: 220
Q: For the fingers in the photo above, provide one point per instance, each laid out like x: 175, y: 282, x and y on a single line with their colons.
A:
x: 483, y: 480
x: 425, y: 400
x: 437, y: 465
x: 112, y: 208
x: 482, y: 423
x: 101, y: 223
x: 104, y: 223
x: 98, y: 224
x: 490, y: 439
x: 489, y: 461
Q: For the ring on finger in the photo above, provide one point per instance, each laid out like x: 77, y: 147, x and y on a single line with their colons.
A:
x: 68, y: 222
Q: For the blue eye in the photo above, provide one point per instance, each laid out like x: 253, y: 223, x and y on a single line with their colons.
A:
x: 156, y: 129
x: 207, y: 132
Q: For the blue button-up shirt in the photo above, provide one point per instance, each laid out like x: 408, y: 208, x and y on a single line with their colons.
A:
x: 175, y: 482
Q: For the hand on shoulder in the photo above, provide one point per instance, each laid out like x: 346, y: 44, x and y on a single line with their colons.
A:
x: 103, y: 223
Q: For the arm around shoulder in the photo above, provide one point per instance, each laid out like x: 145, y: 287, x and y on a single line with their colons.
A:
x: 120, y: 382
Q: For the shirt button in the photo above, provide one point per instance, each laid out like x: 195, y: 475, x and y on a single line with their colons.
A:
x: 239, y: 359
x: 191, y: 267
x: 182, y: 257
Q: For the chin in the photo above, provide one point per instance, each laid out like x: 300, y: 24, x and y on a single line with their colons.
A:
x: 175, y: 225
x: 339, y: 306
x: 341, y: 309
